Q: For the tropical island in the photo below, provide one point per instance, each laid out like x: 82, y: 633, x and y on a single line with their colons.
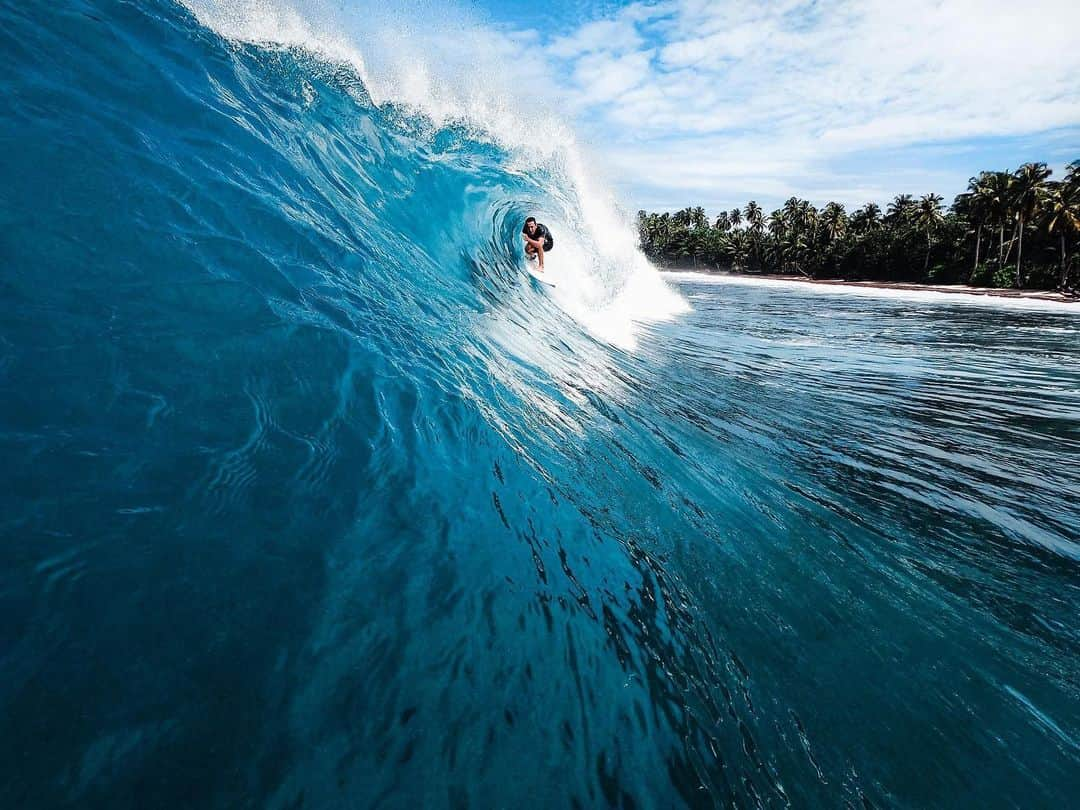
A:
x: 1007, y: 230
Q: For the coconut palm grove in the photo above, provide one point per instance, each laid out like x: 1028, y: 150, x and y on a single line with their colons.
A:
x: 1008, y: 229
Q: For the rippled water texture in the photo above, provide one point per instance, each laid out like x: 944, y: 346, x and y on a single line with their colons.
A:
x: 310, y: 498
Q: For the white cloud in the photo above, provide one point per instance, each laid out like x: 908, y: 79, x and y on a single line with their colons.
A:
x: 617, y: 35
x: 674, y: 90
x: 603, y: 78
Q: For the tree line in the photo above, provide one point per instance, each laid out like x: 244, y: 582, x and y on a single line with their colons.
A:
x: 1008, y: 229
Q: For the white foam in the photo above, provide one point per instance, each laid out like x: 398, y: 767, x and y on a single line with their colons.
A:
x: 926, y: 295
x: 280, y: 24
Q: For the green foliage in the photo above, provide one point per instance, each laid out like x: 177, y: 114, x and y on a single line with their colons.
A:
x: 938, y: 274
x: 1041, y: 277
x: 982, y: 276
x: 1003, y: 277
x: 1006, y: 228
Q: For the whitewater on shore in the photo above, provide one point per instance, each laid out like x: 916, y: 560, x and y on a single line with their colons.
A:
x: 1021, y: 299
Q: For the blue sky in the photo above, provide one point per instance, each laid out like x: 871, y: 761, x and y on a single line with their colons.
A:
x: 714, y: 103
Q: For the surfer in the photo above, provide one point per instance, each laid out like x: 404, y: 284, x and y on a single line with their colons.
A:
x: 537, y: 240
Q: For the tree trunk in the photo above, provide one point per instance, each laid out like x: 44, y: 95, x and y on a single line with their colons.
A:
x: 1008, y: 250
x: 1064, y: 262
x: 978, y: 244
x: 926, y: 264
x: 1020, y: 249
x: 1001, y: 244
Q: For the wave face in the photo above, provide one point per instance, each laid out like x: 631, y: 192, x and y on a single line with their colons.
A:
x: 311, y: 498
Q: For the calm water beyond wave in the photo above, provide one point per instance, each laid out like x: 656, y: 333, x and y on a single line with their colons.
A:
x: 310, y: 498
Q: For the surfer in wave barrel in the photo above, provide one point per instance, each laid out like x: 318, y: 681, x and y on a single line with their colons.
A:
x: 538, y: 240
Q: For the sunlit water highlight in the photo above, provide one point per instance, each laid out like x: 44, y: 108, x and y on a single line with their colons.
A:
x: 311, y: 498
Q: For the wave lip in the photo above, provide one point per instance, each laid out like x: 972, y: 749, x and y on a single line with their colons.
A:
x: 604, y: 281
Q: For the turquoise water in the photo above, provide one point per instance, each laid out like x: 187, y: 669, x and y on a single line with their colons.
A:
x: 310, y: 498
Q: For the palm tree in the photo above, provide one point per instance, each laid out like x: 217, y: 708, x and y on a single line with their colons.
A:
x: 928, y: 217
x: 736, y: 217
x: 740, y: 250
x: 659, y: 231
x: 835, y: 221
x: 800, y: 225
x: 789, y: 238
x: 809, y: 216
x: 756, y: 223
x: 718, y: 246
x: 697, y: 243
x: 679, y: 245
x: 753, y: 215
x: 722, y: 222
x: 995, y: 189
x: 976, y: 204
x: 1026, y: 191
x: 900, y: 209
x: 776, y: 223
x: 1061, y: 202
x: 790, y: 211
x: 777, y: 229
x: 873, y: 216
x: 866, y: 219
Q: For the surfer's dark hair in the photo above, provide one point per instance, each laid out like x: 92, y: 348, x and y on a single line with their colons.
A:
x: 530, y: 219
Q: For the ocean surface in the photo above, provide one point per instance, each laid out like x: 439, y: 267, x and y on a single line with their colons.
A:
x: 311, y: 498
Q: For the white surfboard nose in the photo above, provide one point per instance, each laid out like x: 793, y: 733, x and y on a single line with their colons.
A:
x: 540, y: 277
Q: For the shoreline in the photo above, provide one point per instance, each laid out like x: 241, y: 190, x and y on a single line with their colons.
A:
x: 954, y: 289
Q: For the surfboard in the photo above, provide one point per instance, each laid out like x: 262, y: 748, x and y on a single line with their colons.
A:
x: 541, y: 278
